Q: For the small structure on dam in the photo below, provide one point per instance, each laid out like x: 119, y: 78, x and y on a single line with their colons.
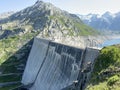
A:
x: 54, y: 66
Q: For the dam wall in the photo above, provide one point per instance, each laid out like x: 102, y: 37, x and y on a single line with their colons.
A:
x: 54, y: 66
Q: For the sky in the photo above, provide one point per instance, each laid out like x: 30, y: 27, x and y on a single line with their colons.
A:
x: 72, y: 6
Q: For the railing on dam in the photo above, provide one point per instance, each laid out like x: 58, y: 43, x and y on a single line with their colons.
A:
x: 54, y: 66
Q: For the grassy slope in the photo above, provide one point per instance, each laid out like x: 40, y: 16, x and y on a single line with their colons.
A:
x: 106, y: 74
x: 13, y: 53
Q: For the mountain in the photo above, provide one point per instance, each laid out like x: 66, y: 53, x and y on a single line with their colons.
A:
x: 6, y: 14
x: 44, y: 16
x: 107, y: 21
x: 19, y: 29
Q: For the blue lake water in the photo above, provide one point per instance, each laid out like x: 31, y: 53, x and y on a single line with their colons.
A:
x: 110, y: 42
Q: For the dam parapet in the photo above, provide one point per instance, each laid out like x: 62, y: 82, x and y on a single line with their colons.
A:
x: 54, y: 66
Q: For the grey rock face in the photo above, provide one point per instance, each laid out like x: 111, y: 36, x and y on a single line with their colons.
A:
x: 8, y: 33
x: 5, y: 34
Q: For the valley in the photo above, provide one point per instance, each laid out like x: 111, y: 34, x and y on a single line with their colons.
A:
x: 45, y: 48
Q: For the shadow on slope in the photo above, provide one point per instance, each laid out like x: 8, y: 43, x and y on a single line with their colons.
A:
x: 12, y: 69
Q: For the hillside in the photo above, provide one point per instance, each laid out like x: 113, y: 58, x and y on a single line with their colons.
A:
x: 44, y: 16
x: 19, y: 29
x: 106, y: 74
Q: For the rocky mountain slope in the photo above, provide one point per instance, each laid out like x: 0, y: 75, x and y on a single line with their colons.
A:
x: 19, y: 29
x: 44, y: 16
x: 107, y: 21
x: 6, y: 14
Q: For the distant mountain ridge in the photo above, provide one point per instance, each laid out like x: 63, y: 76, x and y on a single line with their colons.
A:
x: 6, y: 14
x: 107, y: 21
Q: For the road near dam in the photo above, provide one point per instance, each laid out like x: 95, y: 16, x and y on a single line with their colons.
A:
x: 54, y: 66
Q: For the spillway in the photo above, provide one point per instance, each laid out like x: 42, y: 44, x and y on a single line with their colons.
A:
x: 54, y: 66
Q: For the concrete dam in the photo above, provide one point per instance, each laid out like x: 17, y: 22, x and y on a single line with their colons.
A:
x: 54, y: 66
